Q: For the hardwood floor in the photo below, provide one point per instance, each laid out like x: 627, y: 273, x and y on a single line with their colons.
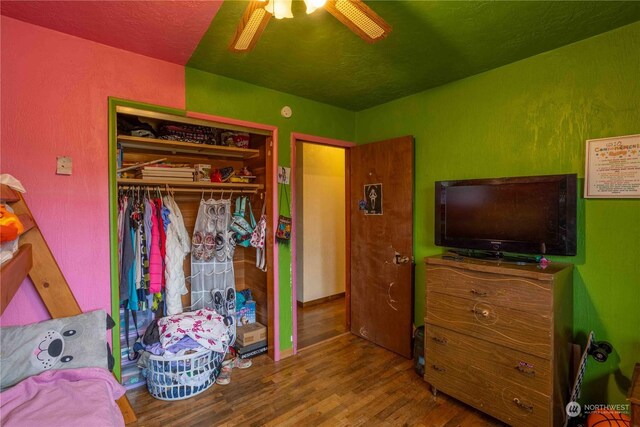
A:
x: 321, y: 322
x: 346, y: 381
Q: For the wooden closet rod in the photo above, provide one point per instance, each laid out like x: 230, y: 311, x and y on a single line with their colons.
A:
x: 187, y: 190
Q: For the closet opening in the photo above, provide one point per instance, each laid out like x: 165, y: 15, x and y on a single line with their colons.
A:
x: 321, y: 288
x: 218, y: 174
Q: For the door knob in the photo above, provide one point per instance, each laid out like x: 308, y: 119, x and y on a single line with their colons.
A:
x: 399, y: 259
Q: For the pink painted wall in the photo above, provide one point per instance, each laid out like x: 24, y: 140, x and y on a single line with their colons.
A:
x: 54, y: 102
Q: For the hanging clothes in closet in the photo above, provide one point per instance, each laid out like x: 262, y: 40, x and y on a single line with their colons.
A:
x: 178, y: 245
x: 152, y: 244
x: 133, y: 261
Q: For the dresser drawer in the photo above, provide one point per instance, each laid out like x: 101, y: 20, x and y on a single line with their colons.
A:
x: 495, y: 360
x: 507, y: 401
x: 526, y: 332
x: 518, y: 293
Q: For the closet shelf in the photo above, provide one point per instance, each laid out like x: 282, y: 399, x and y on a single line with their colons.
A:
x: 155, y: 145
x: 225, y: 186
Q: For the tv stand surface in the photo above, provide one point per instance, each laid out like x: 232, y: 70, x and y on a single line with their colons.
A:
x: 495, y: 256
x: 497, y: 265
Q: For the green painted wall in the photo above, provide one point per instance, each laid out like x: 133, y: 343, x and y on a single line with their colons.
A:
x: 528, y: 118
x: 213, y: 94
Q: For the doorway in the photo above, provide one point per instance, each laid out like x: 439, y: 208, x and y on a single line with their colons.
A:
x: 320, y: 186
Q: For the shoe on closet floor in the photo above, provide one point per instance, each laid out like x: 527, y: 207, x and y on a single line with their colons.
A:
x: 224, y: 377
x: 241, y: 363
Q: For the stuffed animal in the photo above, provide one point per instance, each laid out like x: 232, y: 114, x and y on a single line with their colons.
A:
x: 10, y: 225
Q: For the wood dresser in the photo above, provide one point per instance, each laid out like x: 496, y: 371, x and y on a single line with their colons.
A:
x: 497, y: 337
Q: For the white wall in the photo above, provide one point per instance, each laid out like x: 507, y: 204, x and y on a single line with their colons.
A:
x: 321, y: 221
x: 298, y: 257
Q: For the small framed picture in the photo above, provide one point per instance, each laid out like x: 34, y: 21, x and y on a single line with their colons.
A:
x: 373, y: 199
x: 284, y: 175
x: 612, y: 168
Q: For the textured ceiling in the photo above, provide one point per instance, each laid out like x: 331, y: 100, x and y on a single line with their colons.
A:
x: 167, y: 30
x: 316, y: 57
x: 432, y: 43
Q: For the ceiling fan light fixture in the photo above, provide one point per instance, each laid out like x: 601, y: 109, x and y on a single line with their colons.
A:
x: 251, y: 26
x: 360, y: 19
x: 279, y: 8
x: 313, y: 5
x: 356, y: 15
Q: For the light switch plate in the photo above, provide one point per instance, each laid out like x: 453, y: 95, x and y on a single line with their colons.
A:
x: 64, y: 165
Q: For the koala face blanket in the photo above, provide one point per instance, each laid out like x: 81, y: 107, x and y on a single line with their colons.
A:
x: 65, y: 343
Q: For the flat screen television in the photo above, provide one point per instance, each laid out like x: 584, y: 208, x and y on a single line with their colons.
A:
x: 529, y: 215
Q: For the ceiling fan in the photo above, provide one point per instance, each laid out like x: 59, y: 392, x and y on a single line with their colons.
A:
x: 356, y: 15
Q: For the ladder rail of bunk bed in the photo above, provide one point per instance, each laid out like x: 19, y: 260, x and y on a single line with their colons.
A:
x: 35, y: 259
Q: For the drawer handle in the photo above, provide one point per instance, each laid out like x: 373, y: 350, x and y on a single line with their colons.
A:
x: 440, y: 340
x: 526, y: 406
x: 438, y: 368
x: 478, y: 293
x: 526, y: 371
x: 477, y: 311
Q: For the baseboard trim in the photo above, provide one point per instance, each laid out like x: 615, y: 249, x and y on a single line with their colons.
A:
x: 320, y: 300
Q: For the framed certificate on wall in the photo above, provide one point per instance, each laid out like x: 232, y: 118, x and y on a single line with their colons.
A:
x: 612, y: 168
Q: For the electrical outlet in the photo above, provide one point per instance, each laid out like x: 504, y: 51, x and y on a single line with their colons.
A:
x: 64, y: 165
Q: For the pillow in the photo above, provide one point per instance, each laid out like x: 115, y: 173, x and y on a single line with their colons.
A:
x: 65, y: 343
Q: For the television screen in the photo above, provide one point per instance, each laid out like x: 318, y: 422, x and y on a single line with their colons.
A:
x: 533, y: 215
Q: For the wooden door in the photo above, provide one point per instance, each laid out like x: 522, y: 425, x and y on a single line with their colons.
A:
x: 381, y: 205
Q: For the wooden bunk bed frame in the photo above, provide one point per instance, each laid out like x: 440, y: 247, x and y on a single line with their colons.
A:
x: 34, y: 258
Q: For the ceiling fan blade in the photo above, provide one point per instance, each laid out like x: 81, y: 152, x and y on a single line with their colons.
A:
x: 253, y: 22
x: 360, y: 19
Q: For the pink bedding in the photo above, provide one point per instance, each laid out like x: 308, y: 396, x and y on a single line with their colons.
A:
x: 81, y: 397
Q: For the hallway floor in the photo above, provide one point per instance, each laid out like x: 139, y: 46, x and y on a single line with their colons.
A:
x: 321, y: 322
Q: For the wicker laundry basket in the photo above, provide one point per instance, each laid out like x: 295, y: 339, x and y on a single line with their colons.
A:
x: 182, y: 377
